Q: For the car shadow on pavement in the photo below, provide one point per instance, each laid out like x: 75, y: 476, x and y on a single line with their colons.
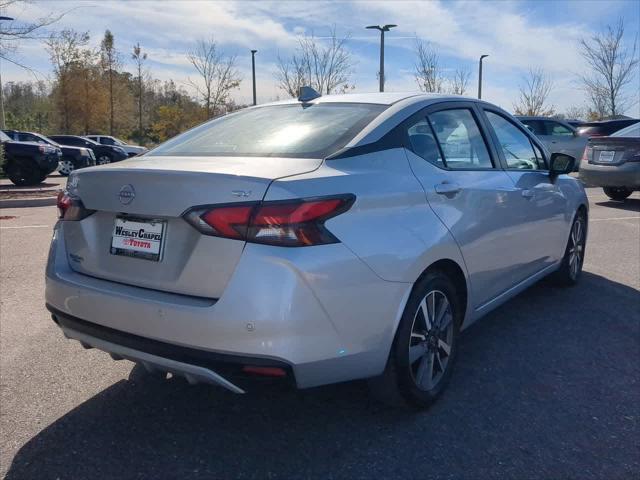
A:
x: 14, y: 188
x: 546, y: 387
x: 631, y: 204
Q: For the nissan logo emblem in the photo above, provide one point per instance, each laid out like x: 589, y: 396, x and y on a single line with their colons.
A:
x: 127, y: 194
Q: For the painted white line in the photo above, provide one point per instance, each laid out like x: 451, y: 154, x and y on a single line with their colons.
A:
x: 612, y: 218
x: 26, y: 226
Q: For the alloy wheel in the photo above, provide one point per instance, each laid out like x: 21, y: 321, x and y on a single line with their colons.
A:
x: 65, y: 167
x: 103, y: 160
x: 431, y: 340
x: 576, y: 248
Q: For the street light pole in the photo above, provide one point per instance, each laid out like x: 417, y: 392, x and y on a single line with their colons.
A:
x: 253, y: 73
x: 2, y: 122
x: 382, y: 28
x: 480, y: 76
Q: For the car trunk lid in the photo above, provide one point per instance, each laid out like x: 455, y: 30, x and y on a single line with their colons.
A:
x: 152, y: 194
x: 613, y: 150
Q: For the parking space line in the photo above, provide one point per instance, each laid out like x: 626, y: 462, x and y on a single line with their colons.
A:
x: 612, y: 218
x: 26, y: 226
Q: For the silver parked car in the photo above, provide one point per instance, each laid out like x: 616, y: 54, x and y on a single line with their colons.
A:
x: 315, y: 240
x: 613, y: 163
x: 558, y: 136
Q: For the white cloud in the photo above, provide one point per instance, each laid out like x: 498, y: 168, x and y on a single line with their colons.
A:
x: 515, y: 37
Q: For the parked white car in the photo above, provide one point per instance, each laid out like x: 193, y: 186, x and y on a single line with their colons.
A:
x: 557, y: 136
x: 132, y: 150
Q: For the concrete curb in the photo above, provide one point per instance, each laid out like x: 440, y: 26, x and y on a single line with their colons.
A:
x: 27, y: 202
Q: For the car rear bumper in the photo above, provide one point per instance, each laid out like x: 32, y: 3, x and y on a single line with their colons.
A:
x: 324, y: 315
x: 624, y: 175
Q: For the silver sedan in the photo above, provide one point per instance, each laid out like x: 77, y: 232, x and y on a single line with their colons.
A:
x: 315, y: 240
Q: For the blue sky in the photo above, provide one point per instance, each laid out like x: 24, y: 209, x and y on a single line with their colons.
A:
x: 517, y: 35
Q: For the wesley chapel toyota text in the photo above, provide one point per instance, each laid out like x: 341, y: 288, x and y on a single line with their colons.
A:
x: 318, y: 240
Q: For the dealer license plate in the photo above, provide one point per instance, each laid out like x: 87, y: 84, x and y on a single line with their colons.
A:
x: 606, y: 156
x: 138, y: 238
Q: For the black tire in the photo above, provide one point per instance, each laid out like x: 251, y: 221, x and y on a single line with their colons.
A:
x: 619, y: 194
x: 399, y: 385
x: 66, y: 166
x: 569, y: 272
x: 24, y: 172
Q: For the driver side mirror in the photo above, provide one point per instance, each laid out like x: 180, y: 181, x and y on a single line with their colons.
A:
x: 561, y: 163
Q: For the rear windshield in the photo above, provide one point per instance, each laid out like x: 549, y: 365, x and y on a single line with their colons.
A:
x: 632, y: 131
x: 307, y: 131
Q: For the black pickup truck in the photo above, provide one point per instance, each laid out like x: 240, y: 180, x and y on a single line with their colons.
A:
x: 28, y: 163
x: 73, y: 158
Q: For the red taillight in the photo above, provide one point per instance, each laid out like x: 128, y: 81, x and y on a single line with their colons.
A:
x: 63, y: 203
x: 289, y: 223
x: 229, y: 222
x: 71, y: 208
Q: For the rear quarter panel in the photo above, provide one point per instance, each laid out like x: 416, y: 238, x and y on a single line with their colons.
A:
x: 390, y: 227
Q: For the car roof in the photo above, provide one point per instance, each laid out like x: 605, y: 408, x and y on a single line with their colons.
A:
x: 604, y: 123
x: 379, y: 98
x: 528, y: 117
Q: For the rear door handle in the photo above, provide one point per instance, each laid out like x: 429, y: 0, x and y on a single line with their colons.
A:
x: 529, y: 194
x: 447, y: 188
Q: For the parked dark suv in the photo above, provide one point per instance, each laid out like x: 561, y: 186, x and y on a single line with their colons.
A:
x: 103, y: 153
x: 73, y: 158
x: 605, y: 128
x: 28, y: 163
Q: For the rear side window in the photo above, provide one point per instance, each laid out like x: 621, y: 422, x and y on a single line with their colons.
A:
x: 516, y: 146
x: 536, y: 126
x: 460, y: 139
x: 423, y: 143
x: 558, y: 130
x: 307, y: 131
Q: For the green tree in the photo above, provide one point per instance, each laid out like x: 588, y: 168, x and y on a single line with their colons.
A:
x: 110, y: 61
x: 139, y: 57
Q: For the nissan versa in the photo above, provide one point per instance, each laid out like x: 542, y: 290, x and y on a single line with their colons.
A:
x: 317, y: 240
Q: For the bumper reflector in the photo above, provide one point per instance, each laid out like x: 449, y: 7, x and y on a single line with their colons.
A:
x: 266, y: 371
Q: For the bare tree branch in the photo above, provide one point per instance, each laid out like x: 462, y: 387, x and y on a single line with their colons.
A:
x: 14, y: 31
x: 534, y: 92
x: 218, y: 75
x: 460, y: 81
x: 614, y: 67
x: 428, y: 73
x: 325, y: 68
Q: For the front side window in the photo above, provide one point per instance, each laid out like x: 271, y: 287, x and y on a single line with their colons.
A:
x: 107, y: 141
x: 423, y: 143
x: 542, y: 164
x: 460, y: 139
x: 558, y: 130
x: 515, y: 145
x: 304, y: 131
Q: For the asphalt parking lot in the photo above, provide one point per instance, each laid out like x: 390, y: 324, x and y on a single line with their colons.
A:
x: 547, y: 386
